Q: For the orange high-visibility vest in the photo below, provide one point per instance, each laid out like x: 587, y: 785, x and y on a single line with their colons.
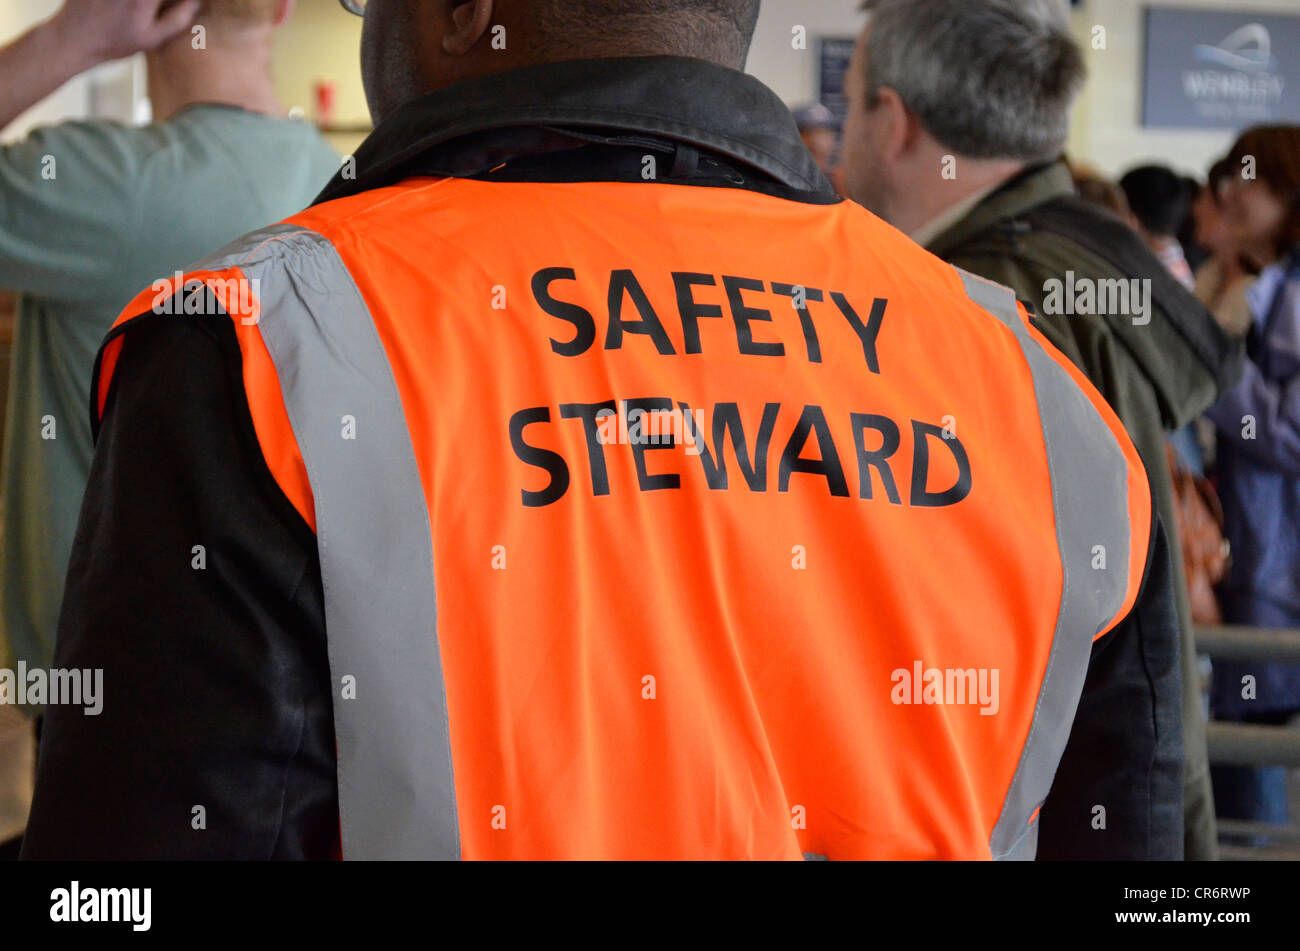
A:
x: 660, y: 521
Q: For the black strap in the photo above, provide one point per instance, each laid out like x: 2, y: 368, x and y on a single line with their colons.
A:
x: 686, y: 160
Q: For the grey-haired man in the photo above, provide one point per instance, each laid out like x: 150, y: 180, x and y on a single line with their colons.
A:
x: 956, y: 132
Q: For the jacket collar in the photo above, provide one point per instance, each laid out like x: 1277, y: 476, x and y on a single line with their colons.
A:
x: 469, y: 128
x: 1022, y: 193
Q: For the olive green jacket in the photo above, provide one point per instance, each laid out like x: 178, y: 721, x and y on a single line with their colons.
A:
x: 1157, y: 376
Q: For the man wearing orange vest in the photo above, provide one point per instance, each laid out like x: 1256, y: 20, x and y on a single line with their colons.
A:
x: 580, y: 478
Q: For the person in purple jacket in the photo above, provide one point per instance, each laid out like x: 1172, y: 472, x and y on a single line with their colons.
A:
x: 1259, y: 459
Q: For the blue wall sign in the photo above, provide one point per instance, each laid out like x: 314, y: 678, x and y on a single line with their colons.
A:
x: 1220, y: 70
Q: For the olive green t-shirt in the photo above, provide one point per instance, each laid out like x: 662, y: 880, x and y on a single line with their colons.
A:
x: 91, y: 214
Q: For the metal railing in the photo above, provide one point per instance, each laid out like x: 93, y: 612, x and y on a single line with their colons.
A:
x: 1246, y: 744
x: 1249, y: 744
x: 1250, y: 643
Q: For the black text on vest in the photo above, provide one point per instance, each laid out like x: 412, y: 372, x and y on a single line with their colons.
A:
x: 770, y: 451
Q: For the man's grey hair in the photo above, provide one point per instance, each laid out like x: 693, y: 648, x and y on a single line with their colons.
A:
x: 987, y: 78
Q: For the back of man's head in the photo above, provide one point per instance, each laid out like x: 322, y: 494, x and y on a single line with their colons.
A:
x: 413, y: 47
x: 225, y: 57
x: 719, y: 31
x: 990, y: 79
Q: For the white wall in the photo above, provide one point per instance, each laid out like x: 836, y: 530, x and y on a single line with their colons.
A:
x: 16, y: 17
x: 1107, y: 129
x: 322, y: 43
x: 791, y: 72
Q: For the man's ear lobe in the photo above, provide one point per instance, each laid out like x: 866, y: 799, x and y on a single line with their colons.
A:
x: 470, y: 20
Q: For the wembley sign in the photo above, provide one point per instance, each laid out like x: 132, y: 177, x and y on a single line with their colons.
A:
x: 1220, y: 70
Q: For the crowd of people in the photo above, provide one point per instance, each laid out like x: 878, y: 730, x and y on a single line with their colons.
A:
x: 1199, y: 362
x: 1233, y: 239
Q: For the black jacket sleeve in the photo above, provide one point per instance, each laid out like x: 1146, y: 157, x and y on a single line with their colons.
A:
x: 195, y: 586
x: 1118, y: 792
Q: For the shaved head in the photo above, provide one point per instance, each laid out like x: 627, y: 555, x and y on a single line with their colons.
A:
x: 719, y: 31
x: 412, y: 47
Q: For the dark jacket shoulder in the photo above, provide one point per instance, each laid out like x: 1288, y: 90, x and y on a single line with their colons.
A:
x: 1036, y: 236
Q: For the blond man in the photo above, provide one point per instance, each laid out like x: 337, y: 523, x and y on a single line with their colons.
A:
x: 90, y: 210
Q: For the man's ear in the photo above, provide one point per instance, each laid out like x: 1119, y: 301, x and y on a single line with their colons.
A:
x: 470, y: 20
x: 897, y: 126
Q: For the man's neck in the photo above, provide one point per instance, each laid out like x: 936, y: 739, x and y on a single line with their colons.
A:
x: 937, y: 196
x: 239, y: 77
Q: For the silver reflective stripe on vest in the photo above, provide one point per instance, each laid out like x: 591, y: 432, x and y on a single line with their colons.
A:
x: 1090, y: 498
x: 396, y: 795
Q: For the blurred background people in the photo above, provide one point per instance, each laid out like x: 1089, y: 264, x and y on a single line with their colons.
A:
x: 1097, y: 189
x: 1158, y: 199
x: 820, y: 133
x: 1226, y: 274
x: 1196, y: 254
x: 966, y: 156
x: 91, y: 211
x: 1160, y: 203
x: 1259, y: 454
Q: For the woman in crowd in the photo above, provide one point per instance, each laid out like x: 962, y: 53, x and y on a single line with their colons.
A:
x: 1224, y: 278
x: 1259, y: 453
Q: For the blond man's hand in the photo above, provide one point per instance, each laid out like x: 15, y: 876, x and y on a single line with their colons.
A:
x: 104, y: 30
